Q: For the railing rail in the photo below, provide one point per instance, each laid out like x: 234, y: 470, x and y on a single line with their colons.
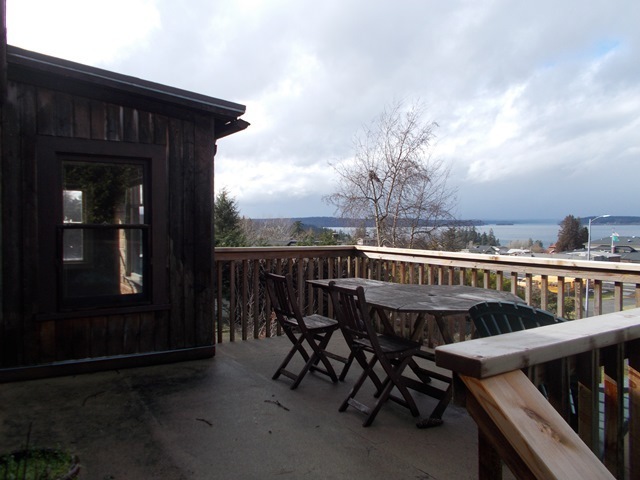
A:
x: 242, y: 308
x: 513, y: 417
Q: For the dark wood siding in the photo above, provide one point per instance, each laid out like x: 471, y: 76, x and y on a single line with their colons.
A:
x: 27, y: 338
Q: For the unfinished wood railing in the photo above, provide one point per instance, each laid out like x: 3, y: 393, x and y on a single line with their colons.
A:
x: 242, y: 309
x: 517, y: 424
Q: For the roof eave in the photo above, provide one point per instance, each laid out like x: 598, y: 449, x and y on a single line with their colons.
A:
x: 105, y: 78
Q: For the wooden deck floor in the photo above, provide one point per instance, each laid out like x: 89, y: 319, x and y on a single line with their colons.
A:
x: 226, y: 418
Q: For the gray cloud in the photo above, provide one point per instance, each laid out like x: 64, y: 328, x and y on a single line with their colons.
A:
x: 538, y: 102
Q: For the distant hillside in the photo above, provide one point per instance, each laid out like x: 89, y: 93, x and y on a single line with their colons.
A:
x: 336, y: 222
x: 614, y: 220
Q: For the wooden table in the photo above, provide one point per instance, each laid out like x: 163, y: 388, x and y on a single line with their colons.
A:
x: 436, y: 300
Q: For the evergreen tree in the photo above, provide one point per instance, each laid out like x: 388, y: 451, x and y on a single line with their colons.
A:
x: 227, y: 223
x: 449, y: 240
x: 572, y: 235
x: 491, y: 238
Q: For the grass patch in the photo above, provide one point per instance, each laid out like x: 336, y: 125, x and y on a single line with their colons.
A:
x: 38, y: 464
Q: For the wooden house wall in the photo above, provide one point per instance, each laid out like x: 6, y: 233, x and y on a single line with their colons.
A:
x: 26, y: 338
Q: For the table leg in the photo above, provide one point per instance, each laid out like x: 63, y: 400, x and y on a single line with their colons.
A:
x: 444, y: 329
x: 435, y: 418
x: 418, y: 327
x: 384, y: 318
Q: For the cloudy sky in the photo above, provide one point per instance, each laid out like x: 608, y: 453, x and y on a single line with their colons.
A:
x: 538, y: 103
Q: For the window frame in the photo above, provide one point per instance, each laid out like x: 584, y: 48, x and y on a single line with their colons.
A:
x: 51, y: 153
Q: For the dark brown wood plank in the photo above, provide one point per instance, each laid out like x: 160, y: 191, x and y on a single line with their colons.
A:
x: 130, y: 125
x: 81, y: 118
x: 146, y: 334
x: 219, y: 310
x: 63, y: 115
x: 203, y: 153
x: 145, y: 127
x: 46, y: 105
x: 29, y: 254
x: 115, y: 335
x: 114, y: 122
x: 99, y: 336
x: 46, y: 332
x: 159, y: 322
x: 98, y: 120
x: 232, y: 300
x: 80, y: 337
x: 160, y: 129
x: 64, y: 335
x: 131, y: 333
x: 177, y: 266
x: 11, y: 320
x: 191, y: 242
x: 255, y: 288
x: 245, y: 299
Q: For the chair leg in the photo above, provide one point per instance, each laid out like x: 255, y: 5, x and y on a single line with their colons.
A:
x: 346, y: 367
x: 367, y: 369
x: 442, y: 405
x: 394, y: 379
x: 361, y: 358
x: 297, y: 347
x: 311, y: 365
x: 311, y: 361
x: 319, y: 353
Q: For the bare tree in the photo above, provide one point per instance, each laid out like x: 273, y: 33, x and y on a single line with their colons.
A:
x: 393, y: 179
x: 269, y: 232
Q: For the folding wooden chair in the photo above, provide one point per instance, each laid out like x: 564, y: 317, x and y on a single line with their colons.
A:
x: 313, y: 330
x: 393, y: 353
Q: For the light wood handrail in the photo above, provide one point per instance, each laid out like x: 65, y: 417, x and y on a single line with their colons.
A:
x: 516, y: 422
x: 525, y: 430
x: 485, y: 357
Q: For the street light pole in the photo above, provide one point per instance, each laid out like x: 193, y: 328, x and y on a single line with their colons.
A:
x: 586, y: 293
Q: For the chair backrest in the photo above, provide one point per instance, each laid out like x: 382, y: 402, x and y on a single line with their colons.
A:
x: 284, y: 301
x: 352, y: 312
x: 495, y: 318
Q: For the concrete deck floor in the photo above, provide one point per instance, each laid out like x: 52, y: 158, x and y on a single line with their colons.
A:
x: 225, y: 418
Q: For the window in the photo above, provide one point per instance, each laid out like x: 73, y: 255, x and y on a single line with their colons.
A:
x: 104, y: 236
x: 102, y: 222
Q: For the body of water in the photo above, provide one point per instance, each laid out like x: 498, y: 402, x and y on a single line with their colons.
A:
x: 547, y: 233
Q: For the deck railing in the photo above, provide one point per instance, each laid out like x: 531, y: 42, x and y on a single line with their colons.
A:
x: 518, y: 425
x: 242, y: 309
x: 592, y: 388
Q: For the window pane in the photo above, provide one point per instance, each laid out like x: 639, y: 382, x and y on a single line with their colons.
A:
x: 112, y: 265
x: 106, y: 193
x: 72, y: 206
x: 72, y: 213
